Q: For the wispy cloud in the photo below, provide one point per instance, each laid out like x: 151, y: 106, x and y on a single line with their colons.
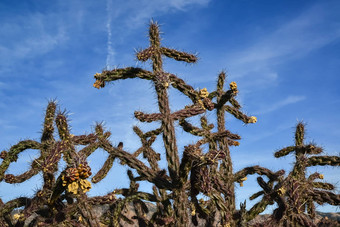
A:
x: 310, y: 31
x: 277, y: 105
x: 35, y: 37
x: 136, y: 13
x: 110, y: 52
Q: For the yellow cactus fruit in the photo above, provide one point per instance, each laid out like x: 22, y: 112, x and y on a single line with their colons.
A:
x: 236, y: 143
x: 233, y: 87
x: 97, y: 84
x: 73, y: 188
x: 281, y: 191
x: 252, y: 119
x: 85, y: 185
x: 203, y: 93
x: 321, y: 176
x: 16, y: 216
x: 241, y: 181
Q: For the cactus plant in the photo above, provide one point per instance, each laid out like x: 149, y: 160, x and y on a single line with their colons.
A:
x: 204, y: 168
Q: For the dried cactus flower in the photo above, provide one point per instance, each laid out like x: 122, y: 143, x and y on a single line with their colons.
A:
x: 84, y: 171
x: 71, y: 175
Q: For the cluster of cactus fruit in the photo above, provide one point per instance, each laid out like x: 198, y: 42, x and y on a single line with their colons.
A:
x: 205, y: 167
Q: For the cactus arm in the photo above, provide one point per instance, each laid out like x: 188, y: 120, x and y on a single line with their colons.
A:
x: 178, y: 56
x: 14, y: 151
x: 322, y: 197
x: 324, y: 160
x: 239, y: 115
x: 186, y: 89
x: 285, y: 151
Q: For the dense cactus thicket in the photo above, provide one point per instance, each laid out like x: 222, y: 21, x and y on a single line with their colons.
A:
x: 203, y: 167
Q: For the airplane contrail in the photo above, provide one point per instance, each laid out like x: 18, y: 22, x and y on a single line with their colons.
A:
x: 110, y: 52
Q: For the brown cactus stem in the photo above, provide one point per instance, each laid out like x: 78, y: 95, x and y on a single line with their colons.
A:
x: 139, y: 166
x: 226, y: 169
x: 13, y: 153
x: 101, y: 174
x: 47, y: 145
x: 121, y: 74
x: 184, y: 113
x: 169, y: 137
x: 15, y: 203
x: 186, y: 89
x: 48, y: 130
x: 259, y: 170
x: 323, y: 160
x: 22, y: 177
x: 322, y: 197
x: 86, y: 211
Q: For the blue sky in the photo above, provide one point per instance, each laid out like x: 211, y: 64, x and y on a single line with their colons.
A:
x: 284, y: 56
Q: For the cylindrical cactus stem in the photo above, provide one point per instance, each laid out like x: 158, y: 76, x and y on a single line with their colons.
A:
x: 235, y: 103
x: 11, y: 179
x: 139, y: 166
x: 144, y: 55
x: 259, y: 170
x: 257, y: 208
x: 186, y: 89
x: 188, y: 127
x: 12, y: 204
x: 239, y: 115
x: 63, y: 128
x: 284, y: 151
x: 322, y: 197
x: 299, y: 134
x: 178, y: 56
x: 118, y: 74
x: 255, y: 195
x: 48, y: 123
x: 323, y: 160
x: 322, y: 185
x: 14, y: 151
x: 101, y: 174
x: 220, y: 84
x: 225, y: 98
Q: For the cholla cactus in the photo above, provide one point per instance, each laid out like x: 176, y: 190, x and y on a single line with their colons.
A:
x: 210, y: 171
x: 297, y: 193
x: 205, y: 167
